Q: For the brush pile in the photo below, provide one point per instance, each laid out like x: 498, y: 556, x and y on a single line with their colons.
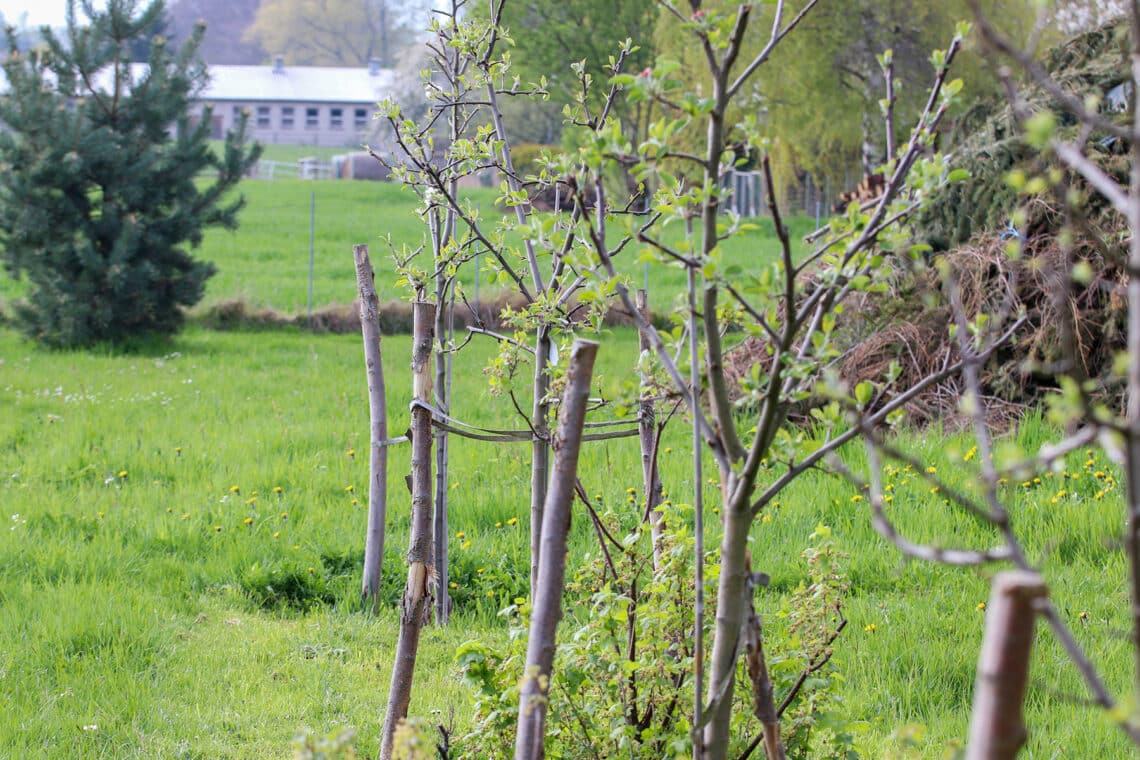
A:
x: 1073, y: 325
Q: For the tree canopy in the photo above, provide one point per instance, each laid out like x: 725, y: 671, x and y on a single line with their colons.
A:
x: 108, y: 193
x: 336, y: 32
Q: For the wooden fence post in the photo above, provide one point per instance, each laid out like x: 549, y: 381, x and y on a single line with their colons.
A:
x: 378, y: 427
x: 997, y: 729
x: 547, y: 600
x: 416, y: 606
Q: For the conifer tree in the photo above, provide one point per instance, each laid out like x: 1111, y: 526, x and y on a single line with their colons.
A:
x: 106, y: 181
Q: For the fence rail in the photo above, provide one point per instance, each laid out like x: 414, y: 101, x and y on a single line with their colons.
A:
x: 305, y: 168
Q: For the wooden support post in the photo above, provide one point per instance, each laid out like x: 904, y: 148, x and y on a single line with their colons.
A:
x: 647, y: 432
x: 416, y: 606
x: 997, y: 729
x: 547, y: 602
x: 378, y: 428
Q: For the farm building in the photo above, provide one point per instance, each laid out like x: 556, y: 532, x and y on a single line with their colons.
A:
x: 292, y: 105
x: 296, y: 105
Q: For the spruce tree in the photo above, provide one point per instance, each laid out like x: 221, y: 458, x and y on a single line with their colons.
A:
x: 106, y: 182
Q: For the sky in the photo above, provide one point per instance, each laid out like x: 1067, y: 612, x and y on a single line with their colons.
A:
x: 40, y: 12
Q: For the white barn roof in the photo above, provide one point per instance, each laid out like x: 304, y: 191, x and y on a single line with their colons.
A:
x: 290, y: 84
x: 299, y: 84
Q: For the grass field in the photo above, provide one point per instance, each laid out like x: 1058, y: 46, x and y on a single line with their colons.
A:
x: 160, y: 598
x: 265, y: 262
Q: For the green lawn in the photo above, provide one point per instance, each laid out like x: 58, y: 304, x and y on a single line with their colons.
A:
x: 160, y: 599
x: 266, y: 260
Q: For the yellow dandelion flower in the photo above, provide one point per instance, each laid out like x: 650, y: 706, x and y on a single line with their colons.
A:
x: 668, y: 449
x: 889, y: 487
x: 453, y: 585
x: 512, y: 521
x: 479, y: 570
x: 284, y: 515
x: 251, y: 500
x: 217, y: 528
x: 631, y: 491
x: 932, y: 469
x: 178, y: 450
x: 869, y: 628
x: 1037, y: 481
x: 235, y: 489
x: 856, y: 499
x: 99, y: 515
x: 766, y: 518
x: 1099, y: 475
x: 122, y: 473
x: 349, y: 489
x: 935, y: 489
x: 981, y: 607
x: 499, y: 524
x: 356, y: 502
x: 248, y: 521
x: 1099, y: 495
x: 1090, y: 462
x: 352, y: 453
x: 312, y: 570
x: 277, y: 490
x: 186, y: 516
x: 1084, y: 615
x: 461, y: 534
x: 888, y: 499
x: 277, y: 534
x: 465, y: 545
x: 970, y: 454
x: 490, y: 594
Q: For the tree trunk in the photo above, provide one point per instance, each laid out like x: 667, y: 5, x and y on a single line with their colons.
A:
x: 730, y: 616
x: 441, y: 235
x: 378, y: 424
x: 647, y: 432
x: 540, y: 450
x: 997, y: 731
x: 416, y: 605
x: 547, y: 603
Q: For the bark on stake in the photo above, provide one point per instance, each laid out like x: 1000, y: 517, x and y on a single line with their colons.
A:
x: 647, y: 431
x: 997, y: 730
x: 378, y: 426
x: 547, y: 602
x: 415, y: 607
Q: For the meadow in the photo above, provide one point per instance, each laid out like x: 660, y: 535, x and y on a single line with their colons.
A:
x: 185, y: 530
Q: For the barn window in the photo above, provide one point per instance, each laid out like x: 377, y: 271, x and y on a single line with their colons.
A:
x: 263, y: 117
x: 312, y: 118
x: 336, y: 118
x: 360, y: 118
x: 287, y: 117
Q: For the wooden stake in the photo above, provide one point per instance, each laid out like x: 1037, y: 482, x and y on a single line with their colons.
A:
x: 997, y: 729
x: 378, y: 427
x: 547, y: 602
x: 416, y: 606
x: 647, y: 432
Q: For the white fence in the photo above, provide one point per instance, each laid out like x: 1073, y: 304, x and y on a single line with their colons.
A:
x: 305, y: 168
